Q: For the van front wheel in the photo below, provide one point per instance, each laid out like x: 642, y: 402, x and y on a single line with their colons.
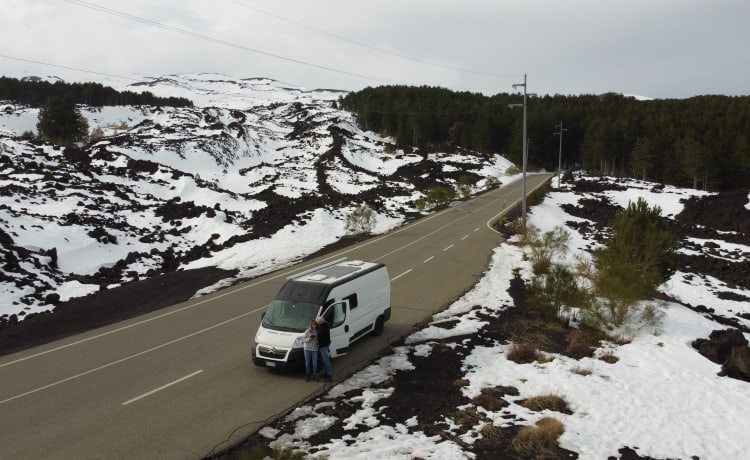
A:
x: 379, y: 326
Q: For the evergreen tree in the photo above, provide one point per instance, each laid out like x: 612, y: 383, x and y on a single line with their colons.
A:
x: 639, y: 256
x: 61, y: 122
x: 642, y: 158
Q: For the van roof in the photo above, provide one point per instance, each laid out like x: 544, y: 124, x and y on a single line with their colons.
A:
x: 333, y: 272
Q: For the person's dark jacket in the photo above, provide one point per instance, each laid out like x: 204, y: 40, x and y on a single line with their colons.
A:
x: 324, y: 334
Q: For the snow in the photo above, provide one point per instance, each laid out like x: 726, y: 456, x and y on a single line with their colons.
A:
x: 661, y: 395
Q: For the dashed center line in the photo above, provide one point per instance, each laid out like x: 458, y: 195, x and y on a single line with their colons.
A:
x: 428, y: 259
x: 403, y: 274
x: 464, y: 237
x: 162, y: 387
x: 448, y: 247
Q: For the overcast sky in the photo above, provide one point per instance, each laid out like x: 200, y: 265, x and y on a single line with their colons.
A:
x: 651, y: 48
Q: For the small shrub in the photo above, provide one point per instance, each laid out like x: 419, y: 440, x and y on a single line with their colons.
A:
x: 546, y: 402
x: 522, y: 353
x: 491, y: 433
x: 609, y: 357
x: 543, y: 248
x: 652, y: 315
x: 96, y: 135
x: 28, y: 136
x: 468, y: 417
x: 439, y: 195
x: 539, y: 441
x: 465, y: 184
x: 512, y: 170
x: 542, y: 359
x: 581, y: 371
x: 492, y: 182
x: 360, y: 221
x: 535, y: 198
x: 461, y: 383
x: 492, y: 398
x: 579, y: 345
x: 436, y: 196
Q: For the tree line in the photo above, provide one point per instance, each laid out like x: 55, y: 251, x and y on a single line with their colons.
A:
x: 701, y: 142
x: 36, y: 93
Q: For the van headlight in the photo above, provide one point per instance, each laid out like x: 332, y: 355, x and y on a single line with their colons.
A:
x: 298, y: 342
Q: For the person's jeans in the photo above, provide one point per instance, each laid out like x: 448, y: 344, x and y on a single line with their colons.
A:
x: 326, y: 355
x: 311, y: 359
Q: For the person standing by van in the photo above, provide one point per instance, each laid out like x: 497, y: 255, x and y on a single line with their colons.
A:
x: 311, y: 350
x: 324, y: 342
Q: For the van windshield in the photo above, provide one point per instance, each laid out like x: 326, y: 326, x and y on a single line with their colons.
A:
x: 286, y: 315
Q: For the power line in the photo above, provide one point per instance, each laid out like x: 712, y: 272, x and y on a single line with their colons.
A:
x: 68, y: 68
x: 214, y: 40
x: 365, y: 45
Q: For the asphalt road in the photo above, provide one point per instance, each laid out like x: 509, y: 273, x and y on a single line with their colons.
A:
x: 179, y: 382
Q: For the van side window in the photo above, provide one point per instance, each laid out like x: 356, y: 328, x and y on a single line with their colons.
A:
x: 352, y: 299
x: 339, y: 314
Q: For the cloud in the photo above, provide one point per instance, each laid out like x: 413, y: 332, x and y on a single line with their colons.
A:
x: 665, y: 49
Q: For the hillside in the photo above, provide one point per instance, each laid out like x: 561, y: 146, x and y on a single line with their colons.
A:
x: 217, y: 187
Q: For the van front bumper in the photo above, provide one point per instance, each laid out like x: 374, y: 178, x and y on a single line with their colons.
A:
x: 278, y: 358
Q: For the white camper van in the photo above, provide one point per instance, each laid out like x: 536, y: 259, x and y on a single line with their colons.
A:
x: 353, y: 296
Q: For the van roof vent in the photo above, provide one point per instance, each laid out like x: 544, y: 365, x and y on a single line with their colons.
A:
x: 317, y: 277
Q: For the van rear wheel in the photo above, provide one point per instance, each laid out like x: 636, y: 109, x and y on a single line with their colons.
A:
x: 379, y: 326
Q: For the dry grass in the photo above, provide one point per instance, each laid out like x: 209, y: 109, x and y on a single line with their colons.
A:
x: 542, y: 359
x: 441, y: 348
x: 461, y: 383
x: 468, y: 417
x: 491, y: 399
x: 579, y: 345
x: 609, y: 357
x: 546, y: 402
x: 522, y: 353
x: 491, y: 433
x: 539, y: 441
x: 581, y: 370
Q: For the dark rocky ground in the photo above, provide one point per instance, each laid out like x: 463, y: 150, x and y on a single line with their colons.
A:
x: 435, y: 385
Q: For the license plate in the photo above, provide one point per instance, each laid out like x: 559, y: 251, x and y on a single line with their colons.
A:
x: 270, y: 364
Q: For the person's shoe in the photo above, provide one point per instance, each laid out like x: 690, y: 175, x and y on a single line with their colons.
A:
x: 329, y: 378
x: 308, y: 378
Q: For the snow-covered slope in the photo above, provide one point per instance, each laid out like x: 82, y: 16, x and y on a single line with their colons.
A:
x: 225, y: 183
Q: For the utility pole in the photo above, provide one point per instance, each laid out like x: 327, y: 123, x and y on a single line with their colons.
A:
x: 524, y: 152
x: 559, y: 166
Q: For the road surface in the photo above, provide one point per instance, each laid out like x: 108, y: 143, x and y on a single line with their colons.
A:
x: 179, y: 382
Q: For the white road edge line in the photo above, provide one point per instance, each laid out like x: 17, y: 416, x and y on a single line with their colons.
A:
x: 162, y: 387
x: 428, y: 259
x: 399, y: 276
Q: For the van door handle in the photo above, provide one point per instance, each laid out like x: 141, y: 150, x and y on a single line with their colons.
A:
x: 346, y: 328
